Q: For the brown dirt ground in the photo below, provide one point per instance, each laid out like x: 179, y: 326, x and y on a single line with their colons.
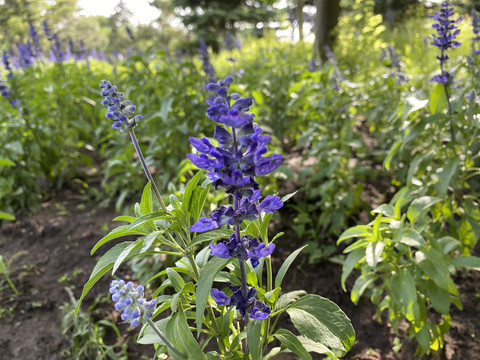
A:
x: 58, y: 241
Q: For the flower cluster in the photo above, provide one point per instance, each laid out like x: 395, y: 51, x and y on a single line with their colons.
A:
x: 476, y: 32
x: 447, y: 32
x: 130, y: 300
x: 392, y: 60
x: 120, y: 111
x: 233, y: 164
x: 254, y: 308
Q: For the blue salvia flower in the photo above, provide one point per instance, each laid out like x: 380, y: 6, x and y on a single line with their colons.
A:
x: 120, y: 111
x: 26, y: 57
x: 240, y: 156
x: 46, y: 30
x: 447, y: 32
x: 35, y: 39
x: 57, y: 54
x: 336, y: 78
x: 129, y: 33
x: 476, y: 32
x: 244, y: 304
x: 207, y: 65
x: 5, y: 92
x: 6, y: 64
x: 71, y: 49
x: 129, y: 299
x: 314, y: 64
x: 393, y: 61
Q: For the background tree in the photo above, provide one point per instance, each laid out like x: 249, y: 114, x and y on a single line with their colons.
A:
x: 15, y: 16
x: 210, y: 19
x: 328, y: 12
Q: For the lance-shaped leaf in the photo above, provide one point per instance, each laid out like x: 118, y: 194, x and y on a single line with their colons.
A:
x: 322, y: 321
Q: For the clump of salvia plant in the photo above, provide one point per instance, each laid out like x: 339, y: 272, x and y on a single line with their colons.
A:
x: 238, y: 318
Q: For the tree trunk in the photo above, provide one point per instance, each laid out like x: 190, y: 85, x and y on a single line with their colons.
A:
x: 300, y: 19
x: 326, y: 19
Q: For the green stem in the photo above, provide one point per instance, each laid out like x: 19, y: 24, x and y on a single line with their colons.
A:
x: 148, y: 174
x: 11, y: 285
x: 165, y: 340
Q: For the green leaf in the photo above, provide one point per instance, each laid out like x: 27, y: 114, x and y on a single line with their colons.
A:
x: 356, y: 231
x: 157, y: 215
x: 127, y: 251
x: 419, y: 205
x: 149, y: 239
x: 254, y: 338
x: 6, y: 216
x: 291, y: 342
x: 467, y: 236
x: 176, y: 280
x: 6, y: 162
x: 210, y: 236
x: 179, y: 333
x: 446, y: 174
x: 322, y: 321
x: 5, y: 187
x: 115, y: 234
x: 313, y: 346
x: 288, y: 196
x: 391, y: 153
x: 411, y: 105
x: 351, y: 260
x: 448, y: 244
x: 126, y: 218
x: 198, y: 201
x: 384, y: 209
x: 189, y: 191
x: 165, y: 108
x: 438, y: 99
x: 205, y: 281
x: 289, y: 298
x: 149, y: 336
x: 408, y: 236
x: 360, y: 285
x: 264, y: 225
x: 104, y: 264
x: 469, y: 262
x: 439, y: 298
x: 412, y: 132
x: 404, y: 294
x: 146, y: 204
x: 433, y: 264
x: 3, y: 268
x: 286, y: 264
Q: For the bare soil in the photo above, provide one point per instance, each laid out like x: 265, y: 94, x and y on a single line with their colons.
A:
x: 56, y: 244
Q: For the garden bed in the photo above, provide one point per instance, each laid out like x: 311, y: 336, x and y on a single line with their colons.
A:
x: 57, y: 241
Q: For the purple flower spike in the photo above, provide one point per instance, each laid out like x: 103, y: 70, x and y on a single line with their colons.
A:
x: 445, y: 37
x: 130, y: 300
x: 120, y: 111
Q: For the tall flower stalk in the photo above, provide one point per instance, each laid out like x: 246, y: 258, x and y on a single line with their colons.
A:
x: 444, y: 39
x: 476, y: 33
x: 233, y: 165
